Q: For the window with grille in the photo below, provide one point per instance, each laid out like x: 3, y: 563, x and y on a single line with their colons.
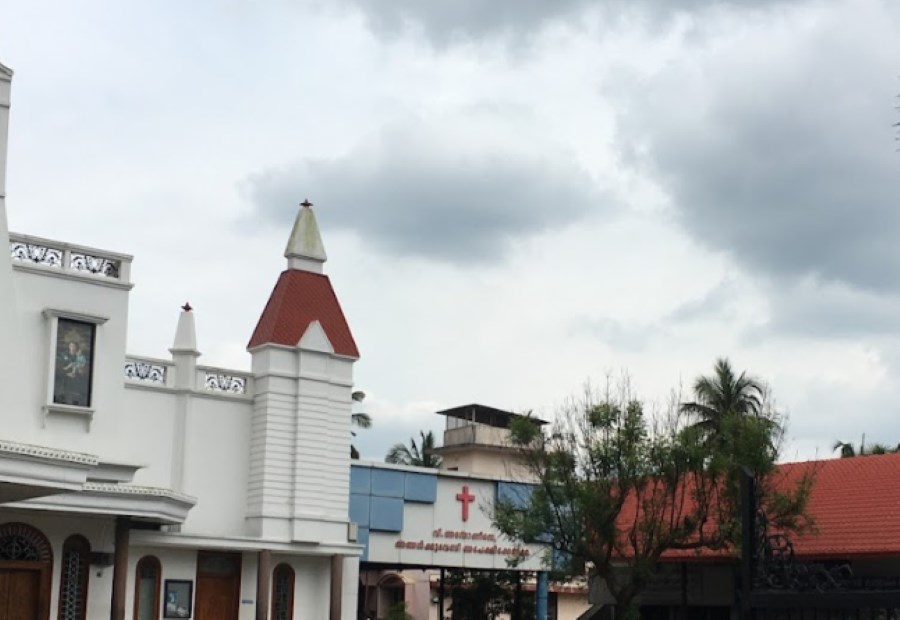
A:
x: 73, y: 583
x: 146, y: 588
x: 22, y: 543
x: 283, y: 593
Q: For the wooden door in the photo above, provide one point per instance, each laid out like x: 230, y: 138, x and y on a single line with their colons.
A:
x: 218, y: 586
x: 20, y: 591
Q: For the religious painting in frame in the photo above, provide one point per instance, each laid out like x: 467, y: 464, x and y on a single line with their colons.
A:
x: 73, y: 372
x: 179, y: 598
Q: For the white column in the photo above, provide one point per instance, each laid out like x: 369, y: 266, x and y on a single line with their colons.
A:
x: 350, y: 588
x: 184, y: 354
x: 272, y: 439
x: 9, y: 360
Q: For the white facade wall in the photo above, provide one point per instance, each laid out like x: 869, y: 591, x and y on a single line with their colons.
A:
x: 486, y: 461
x: 217, y: 450
x: 5, y: 84
x: 150, y: 415
x: 322, y: 482
x: 48, y: 289
x: 272, y: 436
x: 134, y: 425
x: 311, y: 596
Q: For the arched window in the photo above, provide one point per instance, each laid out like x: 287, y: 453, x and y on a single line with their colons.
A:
x: 22, y: 543
x: 146, y: 588
x: 73, y: 581
x: 283, y: 593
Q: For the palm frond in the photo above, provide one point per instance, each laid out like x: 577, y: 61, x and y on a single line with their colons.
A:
x: 398, y: 455
x: 416, y: 453
x: 362, y: 420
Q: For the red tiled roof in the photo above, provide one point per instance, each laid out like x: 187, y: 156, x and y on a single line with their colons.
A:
x: 299, y: 298
x: 854, y: 503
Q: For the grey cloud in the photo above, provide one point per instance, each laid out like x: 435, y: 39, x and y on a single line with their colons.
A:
x: 446, y: 20
x: 715, y: 303
x: 619, y: 335
x: 449, y: 21
x: 782, y: 153
x: 436, y: 190
x: 845, y: 413
x: 815, y: 310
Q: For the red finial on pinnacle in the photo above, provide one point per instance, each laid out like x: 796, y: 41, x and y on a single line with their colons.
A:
x: 187, y: 307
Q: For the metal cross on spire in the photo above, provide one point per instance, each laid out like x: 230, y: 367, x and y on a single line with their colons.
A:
x: 306, y: 203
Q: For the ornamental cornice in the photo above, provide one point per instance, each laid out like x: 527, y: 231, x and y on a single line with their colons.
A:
x: 97, y: 498
x: 52, y: 454
x: 131, y: 490
x: 244, y: 543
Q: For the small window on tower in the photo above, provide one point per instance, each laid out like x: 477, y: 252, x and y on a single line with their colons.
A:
x: 73, y: 372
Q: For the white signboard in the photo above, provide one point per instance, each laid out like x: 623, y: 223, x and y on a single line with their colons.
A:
x: 454, y: 532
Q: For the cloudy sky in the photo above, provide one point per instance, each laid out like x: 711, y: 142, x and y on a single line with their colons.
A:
x: 516, y: 196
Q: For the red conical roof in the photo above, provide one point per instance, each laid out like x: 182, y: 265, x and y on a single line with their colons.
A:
x: 299, y: 298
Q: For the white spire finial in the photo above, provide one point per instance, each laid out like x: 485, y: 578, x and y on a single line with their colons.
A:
x: 184, y: 350
x: 185, y: 333
x: 305, y: 250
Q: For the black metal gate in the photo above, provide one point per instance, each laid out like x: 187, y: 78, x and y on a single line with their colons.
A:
x: 775, y: 585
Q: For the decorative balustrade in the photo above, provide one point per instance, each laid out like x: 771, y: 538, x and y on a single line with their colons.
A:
x: 37, y: 254
x: 224, y: 381
x: 156, y: 373
x: 148, y: 371
x: 67, y: 258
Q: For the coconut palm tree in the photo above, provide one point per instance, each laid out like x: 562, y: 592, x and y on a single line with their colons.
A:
x: 846, y: 448
x: 359, y: 420
x: 419, y: 454
x: 849, y: 451
x: 723, y: 395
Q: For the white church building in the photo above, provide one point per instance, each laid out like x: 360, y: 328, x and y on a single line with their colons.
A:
x: 140, y: 488
x: 162, y: 488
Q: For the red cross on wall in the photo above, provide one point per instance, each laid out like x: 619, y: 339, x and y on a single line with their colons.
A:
x: 466, y: 498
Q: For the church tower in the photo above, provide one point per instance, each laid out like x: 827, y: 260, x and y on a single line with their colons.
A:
x: 303, y: 355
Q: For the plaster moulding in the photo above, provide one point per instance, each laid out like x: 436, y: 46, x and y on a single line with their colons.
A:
x: 109, y: 472
x: 52, y: 454
x: 74, y: 315
x: 235, y: 543
x: 158, y: 505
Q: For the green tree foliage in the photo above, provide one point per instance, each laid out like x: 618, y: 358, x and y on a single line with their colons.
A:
x: 398, y: 612
x: 485, y: 595
x: 616, y: 487
x: 418, y: 454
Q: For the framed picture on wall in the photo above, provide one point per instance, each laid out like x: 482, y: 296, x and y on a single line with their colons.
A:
x: 179, y: 598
